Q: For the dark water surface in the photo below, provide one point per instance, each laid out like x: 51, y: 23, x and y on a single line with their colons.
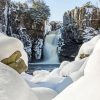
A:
x: 49, y: 67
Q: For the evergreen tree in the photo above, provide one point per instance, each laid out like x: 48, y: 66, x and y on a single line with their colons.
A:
x: 39, y: 11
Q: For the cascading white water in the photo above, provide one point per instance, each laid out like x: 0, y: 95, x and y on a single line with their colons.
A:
x: 50, y: 48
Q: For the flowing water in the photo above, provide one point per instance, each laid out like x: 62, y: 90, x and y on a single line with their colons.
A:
x: 50, y: 60
x: 50, y: 48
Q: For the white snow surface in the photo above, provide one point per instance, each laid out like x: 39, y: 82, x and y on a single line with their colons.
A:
x: 88, y: 86
x: 71, y: 67
x: 8, y: 45
x: 87, y: 48
x: 12, y: 86
x: 54, y: 80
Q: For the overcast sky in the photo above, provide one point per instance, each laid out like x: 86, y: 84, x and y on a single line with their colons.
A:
x: 58, y: 7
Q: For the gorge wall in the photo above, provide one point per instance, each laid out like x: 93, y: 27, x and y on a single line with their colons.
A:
x: 16, y: 21
x: 76, y: 23
x: 86, y: 16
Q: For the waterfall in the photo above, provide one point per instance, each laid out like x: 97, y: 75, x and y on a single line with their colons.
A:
x: 50, y: 48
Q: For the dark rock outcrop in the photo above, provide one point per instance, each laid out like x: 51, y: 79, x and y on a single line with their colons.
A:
x: 86, y: 16
x: 55, y: 25
x: 16, y: 21
x: 75, y: 23
x: 71, y: 43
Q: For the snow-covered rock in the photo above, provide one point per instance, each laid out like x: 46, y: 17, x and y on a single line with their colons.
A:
x: 78, y: 74
x: 41, y: 73
x: 71, y: 67
x: 55, y: 72
x: 64, y: 63
x: 12, y: 86
x: 8, y: 45
x: 12, y: 53
x: 87, y: 48
x: 39, y: 76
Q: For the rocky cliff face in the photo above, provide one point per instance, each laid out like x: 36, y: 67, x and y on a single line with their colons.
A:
x: 76, y: 29
x: 86, y: 16
x: 16, y: 22
x: 21, y: 23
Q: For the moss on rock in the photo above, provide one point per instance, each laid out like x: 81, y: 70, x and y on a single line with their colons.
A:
x: 15, y: 62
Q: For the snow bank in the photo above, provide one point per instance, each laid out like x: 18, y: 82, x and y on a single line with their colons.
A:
x: 12, y: 86
x: 71, y: 67
x: 88, y: 86
x: 8, y: 45
x: 55, y: 80
x: 93, y: 64
x: 39, y: 76
x: 64, y: 63
x: 87, y: 48
x: 78, y: 74
x: 41, y: 72
x: 44, y: 93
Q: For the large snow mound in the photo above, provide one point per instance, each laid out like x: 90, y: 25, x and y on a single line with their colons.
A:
x: 12, y: 86
x: 8, y: 45
x: 71, y: 67
x: 88, y: 86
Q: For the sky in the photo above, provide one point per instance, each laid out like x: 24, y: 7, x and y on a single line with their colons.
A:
x: 58, y: 7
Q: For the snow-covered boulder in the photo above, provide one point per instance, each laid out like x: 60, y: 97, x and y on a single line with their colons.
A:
x: 71, y: 67
x: 78, y: 74
x: 87, y: 48
x: 12, y: 53
x: 88, y: 86
x: 54, y: 73
x: 39, y: 76
x: 12, y: 86
x: 64, y: 63
x: 40, y: 72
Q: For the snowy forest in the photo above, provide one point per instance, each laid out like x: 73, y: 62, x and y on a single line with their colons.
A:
x: 44, y: 59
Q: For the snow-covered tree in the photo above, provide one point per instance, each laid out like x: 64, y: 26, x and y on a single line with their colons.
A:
x: 39, y: 11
